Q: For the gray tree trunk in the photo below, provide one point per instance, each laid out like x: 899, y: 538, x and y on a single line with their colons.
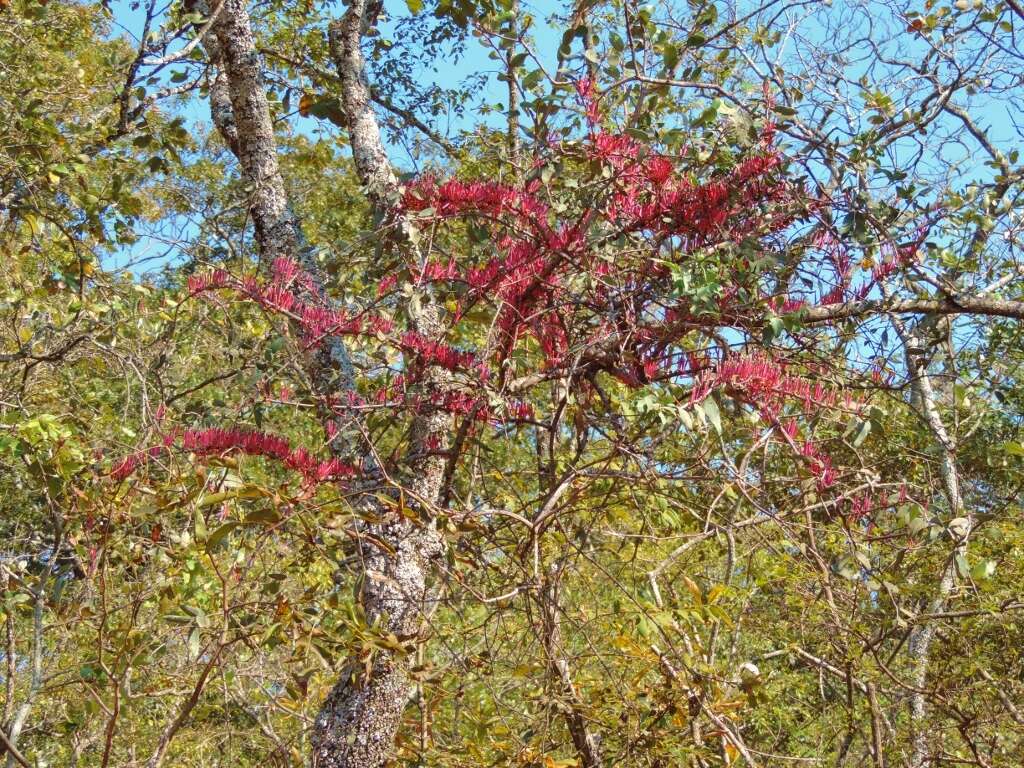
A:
x: 361, y: 716
x: 358, y: 723
x: 921, y: 636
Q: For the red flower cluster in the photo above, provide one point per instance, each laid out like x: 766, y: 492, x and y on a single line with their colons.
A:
x: 835, y: 296
x: 436, y: 271
x: 127, y: 466
x: 285, y: 270
x: 539, y: 257
x: 697, y: 212
x: 555, y: 280
x: 207, y: 442
x: 892, y: 260
x: 659, y: 169
x: 457, y: 198
x: 618, y: 150
x: 519, y: 411
x: 821, y: 465
x: 315, y: 317
x: 587, y: 92
x: 211, y: 442
x: 863, y: 505
x: 791, y: 305
x: 387, y: 284
x: 766, y: 384
x: 431, y: 352
x: 133, y: 461
x: 320, y: 323
x: 209, y: 281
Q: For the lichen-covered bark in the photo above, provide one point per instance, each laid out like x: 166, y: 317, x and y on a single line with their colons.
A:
x: 371, y: 160
x: 241, y: 114
x: 276, y: 228
x: 921, y: 636
x: 359, y: 720
x: 220, y: 103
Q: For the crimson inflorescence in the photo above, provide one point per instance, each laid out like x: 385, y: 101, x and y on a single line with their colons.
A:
x: 219, y: 442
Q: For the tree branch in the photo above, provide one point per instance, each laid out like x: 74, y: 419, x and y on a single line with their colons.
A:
x: 958, y: 305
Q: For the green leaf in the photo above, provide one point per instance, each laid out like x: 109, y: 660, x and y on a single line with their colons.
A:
x: 532, y: 79
x: 774, y: 329
x: 220, y: 534
x: 983, y: 570
x: 714, y: 415
x: 414, y: 6
x: 328, y: 109
x: 708, y: 17
x: 265, y: 515
x: 848, y: 568
x: 685, y: 418
x: 916, y: 525
x: 200, y: 525
x: 194, y: 643
x: 862, y: 433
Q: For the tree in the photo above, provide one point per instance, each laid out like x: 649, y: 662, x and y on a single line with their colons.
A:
x: 654, y: 425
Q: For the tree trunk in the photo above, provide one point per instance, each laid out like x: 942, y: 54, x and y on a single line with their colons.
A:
x: 922, y: 634
x: 358, y: 723
x: 359, y: 720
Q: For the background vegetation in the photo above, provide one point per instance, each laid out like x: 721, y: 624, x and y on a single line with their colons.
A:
x: 632, y: 571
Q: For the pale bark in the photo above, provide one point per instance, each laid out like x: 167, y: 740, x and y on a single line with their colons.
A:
x: 358, y: 723
x: 39, y: 595
x: 361, y: 716
x: 277, y: 231
x: 10, y: 652
x: 515, y: 149
x: 876, y: 728
x: 982, y: 306
x: 8, y: 747
x: 371, y: 160
x: 241, y: 114
x: 21, y: 714
x: 921, y: 636
x: 220, y: 101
